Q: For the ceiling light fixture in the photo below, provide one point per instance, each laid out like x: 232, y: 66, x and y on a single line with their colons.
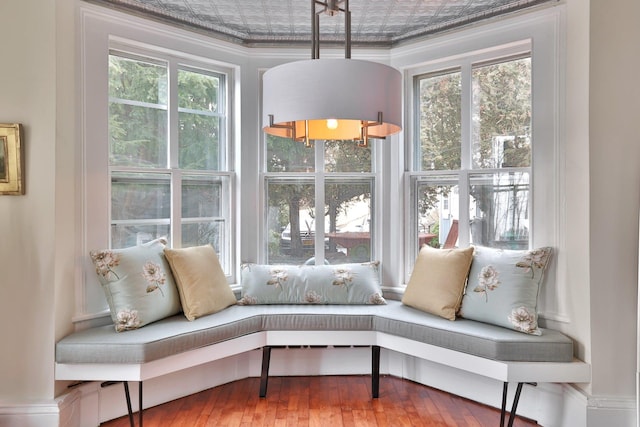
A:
x: 332, y: 99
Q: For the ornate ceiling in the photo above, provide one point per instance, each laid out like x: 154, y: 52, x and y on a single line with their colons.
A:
x: 376, y: 23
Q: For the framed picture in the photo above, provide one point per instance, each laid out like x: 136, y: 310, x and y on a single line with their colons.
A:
x: 11, y: 159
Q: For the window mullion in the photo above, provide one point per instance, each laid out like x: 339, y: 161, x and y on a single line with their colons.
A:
x: 176, y: 208
x: 319, y: 202
x: 173, y: 117
x: 466, y: 119
x: 466, y: 161
x: 463, y: 210
x: 174, y: 163
x: 223, y: 101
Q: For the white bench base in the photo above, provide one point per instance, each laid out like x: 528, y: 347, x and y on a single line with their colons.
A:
x: 553, y: 372
x: 504, y: 371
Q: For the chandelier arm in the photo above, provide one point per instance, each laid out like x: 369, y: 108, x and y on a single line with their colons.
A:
x: 364, y: 132
x: 373, y: 123
x: 289, y: 125
x: 307, y: 141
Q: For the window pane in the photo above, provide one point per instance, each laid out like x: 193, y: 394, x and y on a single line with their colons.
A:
x: 201, y: 121
x: 213, y: 232
x: 199, y: 137
x: 500, y: 210
x: 439, y: 122
x: 140, y: 208
x: 290, y: 221
x: 346, y: 156
x: 502, y: 114
x: 286, y: 155
x: 206, y: 214
x: 348, y: 205
x: 138, y: 136
x: 137, y: 113
x: 200, y: 92
x: 437, y: 204
x: 136, y: 80
x: 204, y: 196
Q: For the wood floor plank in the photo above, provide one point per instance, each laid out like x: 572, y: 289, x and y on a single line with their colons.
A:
x: 321, y: 401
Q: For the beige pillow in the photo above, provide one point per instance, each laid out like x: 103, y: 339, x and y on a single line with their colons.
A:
x: 438, y: 279
x: 201, y: 282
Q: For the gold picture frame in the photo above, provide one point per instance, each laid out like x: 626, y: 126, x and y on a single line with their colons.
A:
x: 11, y: 159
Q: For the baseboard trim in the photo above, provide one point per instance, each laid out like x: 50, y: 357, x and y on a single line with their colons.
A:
x: 44, y: 413
x: 606, y: 411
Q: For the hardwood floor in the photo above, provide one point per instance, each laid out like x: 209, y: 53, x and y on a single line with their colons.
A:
x: 321, y: 401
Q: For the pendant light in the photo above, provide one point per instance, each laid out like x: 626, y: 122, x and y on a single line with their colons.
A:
x: 332, y: 99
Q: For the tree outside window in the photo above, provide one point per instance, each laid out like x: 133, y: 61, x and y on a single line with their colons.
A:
x: 298, y: 223
x: 168, y: 159
x: 475, y: 182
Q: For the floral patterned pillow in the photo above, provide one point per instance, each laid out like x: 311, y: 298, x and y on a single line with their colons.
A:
x: 317, y: 284
x: 503, y: 287
x: 137, y: 283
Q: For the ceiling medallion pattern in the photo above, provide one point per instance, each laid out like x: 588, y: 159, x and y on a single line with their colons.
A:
x: 376, y: 23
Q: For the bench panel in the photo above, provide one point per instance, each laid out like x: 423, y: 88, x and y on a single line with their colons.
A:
x: 156, y: 368
x: 474, y: 338
x: 575, y: 371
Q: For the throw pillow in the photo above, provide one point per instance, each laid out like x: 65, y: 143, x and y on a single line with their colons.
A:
x: 137, y: 283
x: 437, y: 282
x: 201, y: 281
x: 311, y: 284
x: 503, y: 287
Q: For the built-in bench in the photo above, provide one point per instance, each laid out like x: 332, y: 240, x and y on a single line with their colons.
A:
x: 173, y: 344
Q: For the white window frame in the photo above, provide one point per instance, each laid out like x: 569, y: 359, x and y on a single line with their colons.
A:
x: 319, y: 178
x: 98, y: 41
x: 173, y: 66
x: 464, y: 175
x: 541, y: 33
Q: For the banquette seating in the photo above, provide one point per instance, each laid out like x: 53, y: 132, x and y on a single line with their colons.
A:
x: 329, y: 305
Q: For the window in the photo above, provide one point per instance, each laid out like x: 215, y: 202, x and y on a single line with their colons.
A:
x: 320, y: 202
x: 168, y: 166
x: 472, y: 149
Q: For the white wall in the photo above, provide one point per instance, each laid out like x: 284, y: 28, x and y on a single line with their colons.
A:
x: 574, y: 172
x: 28, y: 78
x: 67, y: 186
x: 614, y: 150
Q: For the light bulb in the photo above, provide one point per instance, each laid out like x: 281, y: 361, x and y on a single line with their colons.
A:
x: 332, y: 123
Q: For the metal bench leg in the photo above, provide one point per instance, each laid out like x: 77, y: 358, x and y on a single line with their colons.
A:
x: 128, y: 397
x: 516, y: 398
x: 140, y: 410
x: 503, y: 410
x: 514, y: 406
x: 375, y: 371
x: 264, y: 377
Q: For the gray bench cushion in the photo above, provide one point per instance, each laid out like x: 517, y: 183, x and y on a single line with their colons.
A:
x: 164, y: 338
x: 477, y: 338
x: 176, y: 335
